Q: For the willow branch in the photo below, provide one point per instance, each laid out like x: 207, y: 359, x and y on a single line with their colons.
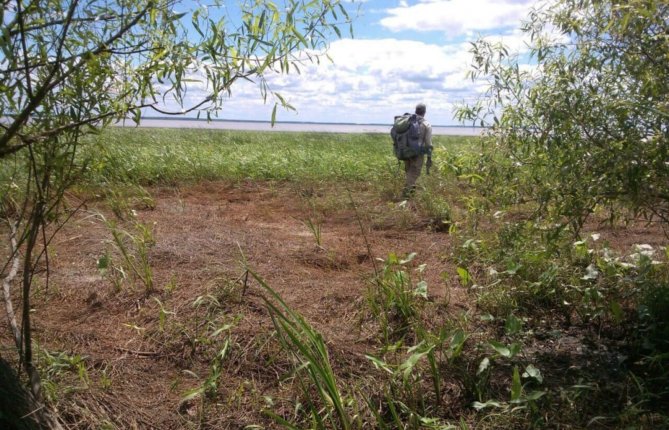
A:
x: 6, y: 284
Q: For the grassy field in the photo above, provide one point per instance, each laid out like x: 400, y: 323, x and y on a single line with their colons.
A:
x: 277, y: 280
x: 149, y: 156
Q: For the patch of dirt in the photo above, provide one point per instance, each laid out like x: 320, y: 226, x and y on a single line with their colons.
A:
x: 140, y: 369
x: 202, y: 233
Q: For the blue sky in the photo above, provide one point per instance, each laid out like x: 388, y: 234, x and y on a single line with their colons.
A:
x: 403, y: 52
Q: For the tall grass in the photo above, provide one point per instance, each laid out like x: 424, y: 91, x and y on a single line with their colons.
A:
x: 311, y: 356
x: 148, y: 156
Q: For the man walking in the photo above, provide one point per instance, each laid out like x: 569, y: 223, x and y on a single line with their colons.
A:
x: 413, y: 166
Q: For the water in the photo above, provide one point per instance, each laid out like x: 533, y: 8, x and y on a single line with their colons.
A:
x: 293, y: 126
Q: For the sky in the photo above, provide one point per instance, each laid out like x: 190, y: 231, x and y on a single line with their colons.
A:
x: 402, y: 52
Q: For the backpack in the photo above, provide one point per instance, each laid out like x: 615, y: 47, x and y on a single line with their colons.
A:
x: 406, y: 136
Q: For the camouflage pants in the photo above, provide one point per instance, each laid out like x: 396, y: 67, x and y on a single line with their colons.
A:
x: 412, y: 168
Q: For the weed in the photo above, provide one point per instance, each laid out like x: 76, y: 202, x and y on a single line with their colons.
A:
x: 208, y: 389
x: 315, y: 229
x: 162, y: 314
x: 308, y: 349
x: 105, y: 380
x: 171, y: 285
x: 394, y: 300
x: 56, y: 367
x: 133, y: 248
x: 406, y: 401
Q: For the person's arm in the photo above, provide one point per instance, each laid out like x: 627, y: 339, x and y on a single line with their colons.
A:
x: 428, y: 147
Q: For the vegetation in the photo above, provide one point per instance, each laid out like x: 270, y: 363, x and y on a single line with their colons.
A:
x: 560, y: 328
x: 145, y: 156
x: 71, y: 68
x: 532, y: 288
x: 591, y: 114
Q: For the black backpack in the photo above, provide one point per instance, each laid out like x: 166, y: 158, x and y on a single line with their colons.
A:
x: 406, y: 136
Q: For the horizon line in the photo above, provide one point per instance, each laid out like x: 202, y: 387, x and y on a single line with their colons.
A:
x: 181, y: 118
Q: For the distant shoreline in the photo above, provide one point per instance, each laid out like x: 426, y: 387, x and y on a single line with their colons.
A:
x: 290, y: 126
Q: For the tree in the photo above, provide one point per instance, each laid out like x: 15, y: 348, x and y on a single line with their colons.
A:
x: 69, y: 68
x: 584, y: 124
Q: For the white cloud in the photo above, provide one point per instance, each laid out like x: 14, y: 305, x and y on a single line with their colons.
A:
x: 515, y: 41
x: 371, y: 80
x: 457, y: 17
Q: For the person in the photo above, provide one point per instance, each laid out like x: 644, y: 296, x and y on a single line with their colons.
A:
x: 413, y: 166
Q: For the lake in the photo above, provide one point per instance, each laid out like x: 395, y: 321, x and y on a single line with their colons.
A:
x: 293, y: 126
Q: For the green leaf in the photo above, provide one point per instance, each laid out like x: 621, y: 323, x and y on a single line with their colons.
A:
x: 192, y: 394
x: 300, y: 37
x: 617, y: 312
x: 534, y: 373
x: 489, y: 404
x: 457, y: 343
x: 103, y: 262
x: 177, y: 16
x: 274, y: 115
x: 513, y: 325
x: 505, y: 351
x: 379, y: 364
x: 221, y: 329
x: 407, y: 366
x: 535, y: 395
x: 463, y: 274
x: 421, y: 290
x: 483, y: 366
x: 516, y: 386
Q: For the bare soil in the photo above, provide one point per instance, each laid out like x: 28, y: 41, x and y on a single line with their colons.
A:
x: 139, y: 369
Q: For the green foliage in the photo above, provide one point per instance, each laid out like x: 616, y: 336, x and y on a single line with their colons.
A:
x: 587, y: 127
x: 144, y: 156
x: 404, y: 401
x: 99, y: 62
x: 133, y: 247
x: 208, y: 389
x: 312, y: 366
x: 57, y: 367
x: 436, y: 207
x: 527, y: 276
x: 315, y: 229
x: 70, y: 68
x: 395, y: 299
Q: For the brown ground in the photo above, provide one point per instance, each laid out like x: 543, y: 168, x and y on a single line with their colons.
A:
x: 139, y: 372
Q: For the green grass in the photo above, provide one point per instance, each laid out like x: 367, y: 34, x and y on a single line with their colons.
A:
x: 150, y: 156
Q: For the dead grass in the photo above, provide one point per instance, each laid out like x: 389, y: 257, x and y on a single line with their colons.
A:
x: 139, y: 369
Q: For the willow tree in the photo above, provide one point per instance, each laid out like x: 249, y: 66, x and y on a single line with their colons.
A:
x: 71, y: 67
x: 582, y: 119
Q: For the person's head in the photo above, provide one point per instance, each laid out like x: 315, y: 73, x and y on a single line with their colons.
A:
x: 421, y: 109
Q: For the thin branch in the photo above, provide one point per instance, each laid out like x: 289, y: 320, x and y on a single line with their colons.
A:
x: 49, y: 84
x: 7, y: 281
x: 98, y: 18
x: 24, y: 46
x: 181, y: 112
x: 66, y: 29
x: 128, y: 50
